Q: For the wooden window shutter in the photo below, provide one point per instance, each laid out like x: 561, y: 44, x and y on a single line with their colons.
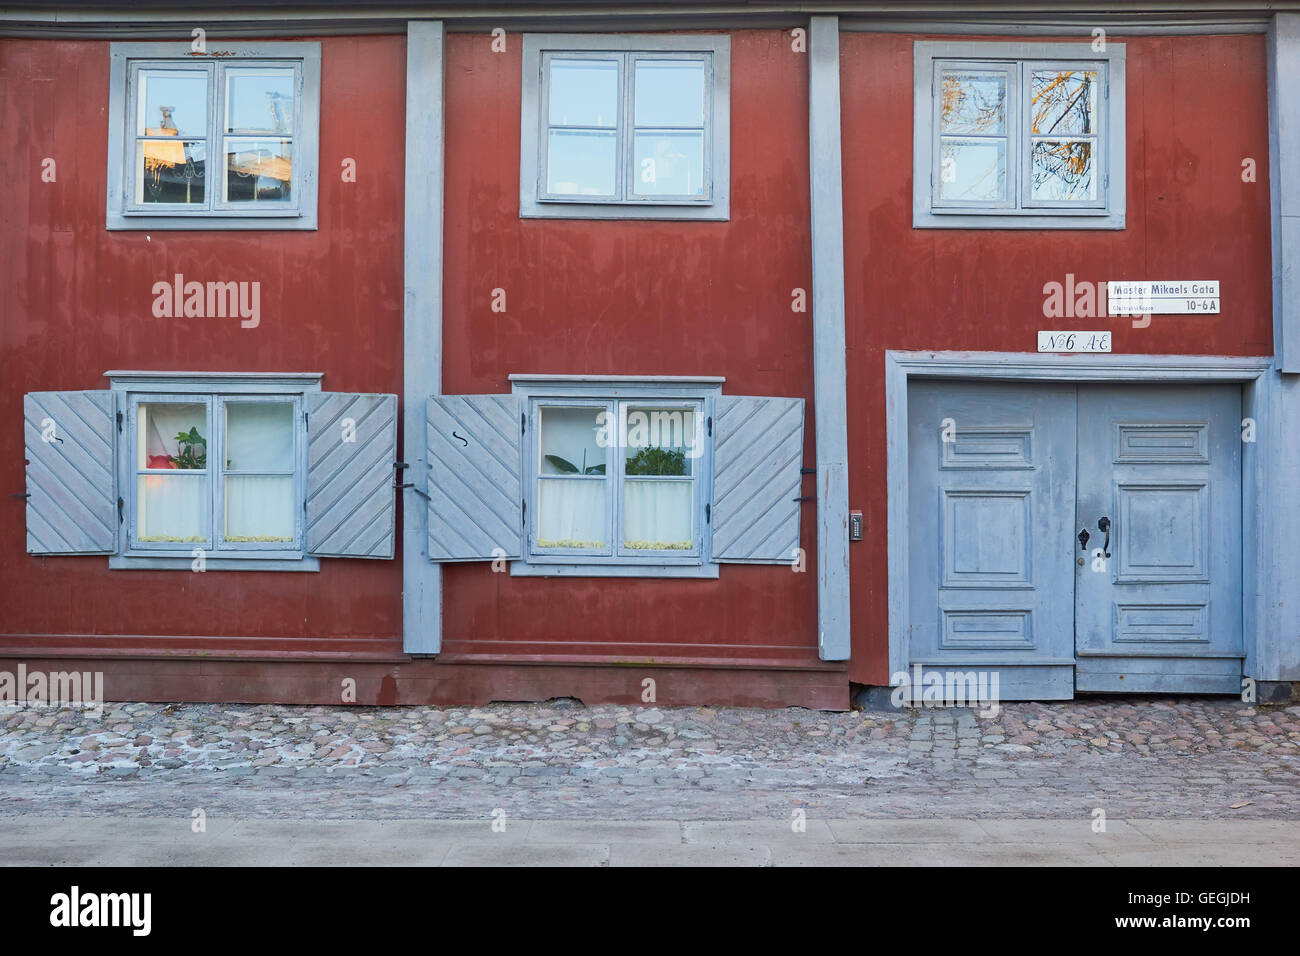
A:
x: 475, y: 488
x: 70, y: 439
x: 757, y: 457
x: 351, y: 453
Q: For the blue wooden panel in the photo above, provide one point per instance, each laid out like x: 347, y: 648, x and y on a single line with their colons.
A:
x: 351, y: 451
x: 990, y: 504
x: 757, y: 457
x: 475, y: 488
x: 69, y: 441
x: 1163, y: 464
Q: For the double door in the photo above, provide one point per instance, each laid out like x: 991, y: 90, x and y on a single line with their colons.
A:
x: 1077, y: 538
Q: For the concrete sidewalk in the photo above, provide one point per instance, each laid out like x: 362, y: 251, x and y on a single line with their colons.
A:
x: 171, y: 841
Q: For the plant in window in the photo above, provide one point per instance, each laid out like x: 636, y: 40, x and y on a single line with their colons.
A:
x: 569, y: 468
x: 656, y: 461
x: 189, y: 456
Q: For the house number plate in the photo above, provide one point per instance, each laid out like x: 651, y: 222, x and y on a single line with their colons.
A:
x: 1073, y: 341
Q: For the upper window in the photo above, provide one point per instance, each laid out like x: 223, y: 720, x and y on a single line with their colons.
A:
x: 228, y: 138
x: 1019, y: 136
x: 625, y: 127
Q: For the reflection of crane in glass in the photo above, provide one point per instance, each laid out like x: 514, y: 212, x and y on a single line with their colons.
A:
x: 265, y: 163
x: 163, y: 156
x: 275, y: 107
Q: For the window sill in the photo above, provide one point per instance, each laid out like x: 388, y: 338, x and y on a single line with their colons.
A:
x: 1002, y: 220
x: 536, y: 570
x: 717, y: 211
x: 136, y: 562
x: 128, y: 221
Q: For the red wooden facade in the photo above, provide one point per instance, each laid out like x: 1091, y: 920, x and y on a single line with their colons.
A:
x: 583, y: 297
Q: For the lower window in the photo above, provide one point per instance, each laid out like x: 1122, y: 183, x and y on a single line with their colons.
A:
x: 218, y: 472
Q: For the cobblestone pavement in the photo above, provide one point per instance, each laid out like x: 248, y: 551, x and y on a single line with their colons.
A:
x: 1207, y: 758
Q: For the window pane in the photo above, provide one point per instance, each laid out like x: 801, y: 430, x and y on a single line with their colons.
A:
x: 258, y: 169
x: 172, y: 103
x: 572, y: 513
x: 669, y: 93
x: 573, y: 506
x: 172, y: 508
x: 660, y: 441
x: 259, y: 436
x: 1063, y: 170
x: 657, y: 515
x: 1064, y: 102
x: 973, y: 169
x: 584, y: 93
x: 669, y: 164
x: 572, y: 441
x: 170, y: 171
x: 259, y: 508
x: 973, y: 102
x: 259, y: 101
x: 171, y: 435
x: 581, y: 163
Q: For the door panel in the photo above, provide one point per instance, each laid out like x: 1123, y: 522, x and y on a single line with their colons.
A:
x: 1163, y: 464
x: 992, y: 479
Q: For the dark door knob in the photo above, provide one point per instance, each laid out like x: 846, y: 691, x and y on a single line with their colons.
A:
x: 1103, y: 525
x: 1083, y: 539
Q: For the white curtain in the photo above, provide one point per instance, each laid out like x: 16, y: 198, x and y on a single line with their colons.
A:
x: 259, y: 508
x: 571, y: 512
x: 657, y: 515
x: 172, y: 507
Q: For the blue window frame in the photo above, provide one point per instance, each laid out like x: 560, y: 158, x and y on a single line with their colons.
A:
x: 617, y: 479
x: 213, y: 464
x: 226, y: 138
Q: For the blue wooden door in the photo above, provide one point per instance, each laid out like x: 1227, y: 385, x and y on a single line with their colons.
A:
x: 1159, y: 473
x: 991, y: 502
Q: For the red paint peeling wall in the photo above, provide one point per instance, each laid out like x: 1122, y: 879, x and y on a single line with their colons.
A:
x: 1196, y: 107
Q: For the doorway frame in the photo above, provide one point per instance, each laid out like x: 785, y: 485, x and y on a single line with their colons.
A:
x: 903, y: 366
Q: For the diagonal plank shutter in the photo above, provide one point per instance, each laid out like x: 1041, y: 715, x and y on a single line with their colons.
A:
x: 69, y: 438
x: 757, y: 456
x: 351, y: 453
x: 475, y: 489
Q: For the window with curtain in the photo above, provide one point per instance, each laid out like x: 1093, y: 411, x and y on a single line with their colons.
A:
x: 221, y: 473
x: 617, y: 479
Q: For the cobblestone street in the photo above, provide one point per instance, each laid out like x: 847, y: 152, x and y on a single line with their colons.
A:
x: 1209, y: 759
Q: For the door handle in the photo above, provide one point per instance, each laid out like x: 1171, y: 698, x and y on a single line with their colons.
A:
x: 1103, y: 525
x: 1083, y: 539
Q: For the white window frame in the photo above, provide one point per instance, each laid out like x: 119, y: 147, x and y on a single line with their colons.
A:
x: 713, y: 50
x: 1018, y: 211
x: 127, y: 60
x: 215, y: 391
x: 613, y: 393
